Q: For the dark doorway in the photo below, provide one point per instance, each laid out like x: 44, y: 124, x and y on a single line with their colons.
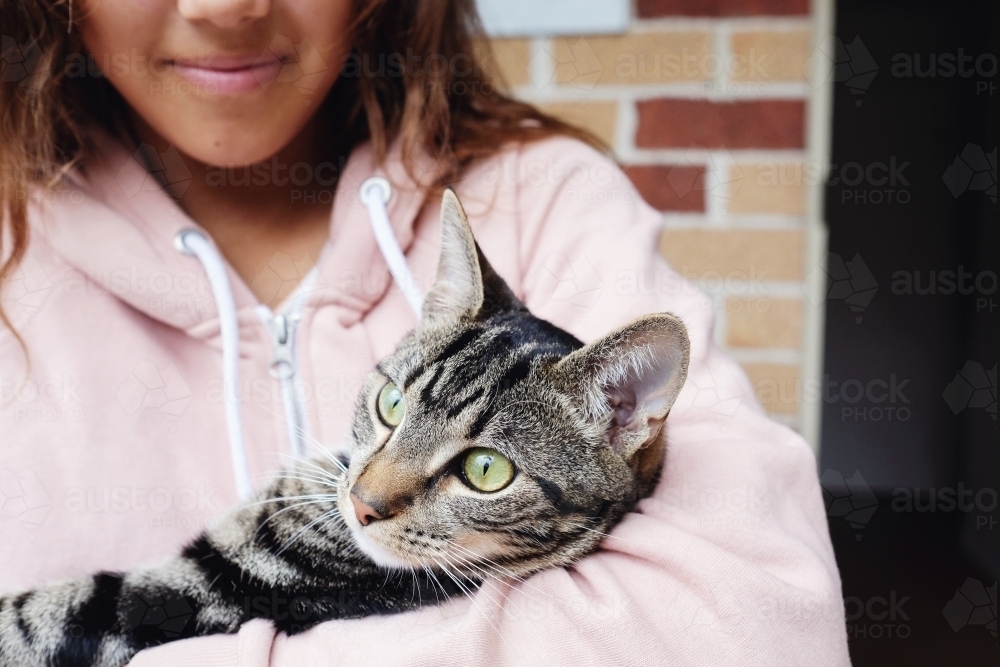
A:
x: 910, y: 457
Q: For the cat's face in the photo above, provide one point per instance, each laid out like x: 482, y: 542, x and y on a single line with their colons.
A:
x: 492, y: 439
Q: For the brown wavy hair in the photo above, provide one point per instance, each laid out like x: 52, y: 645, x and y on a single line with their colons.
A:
x: 458, y: 114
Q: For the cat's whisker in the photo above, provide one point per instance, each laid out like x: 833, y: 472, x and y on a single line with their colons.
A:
x: 318, y: 468
x: 291, y: 462
x: 485, y: 561
x: 486, y: 581
x: 603, y: 534
x: 322, y: 500
x: 487, y: 572
x: 316, y: 446
x: 506, y: 572
x: 313, y: 443
x: 278, y: 499
x: 497, y: 574
x: 309, y: 477
x: 433, y: 578
x: 471, y: 595
x: 416, y: 585
x: 322, y: 517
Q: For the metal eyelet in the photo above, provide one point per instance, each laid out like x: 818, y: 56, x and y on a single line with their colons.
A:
x: 370, y: 185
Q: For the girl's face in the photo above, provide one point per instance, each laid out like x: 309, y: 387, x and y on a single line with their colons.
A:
x: 227, y: 82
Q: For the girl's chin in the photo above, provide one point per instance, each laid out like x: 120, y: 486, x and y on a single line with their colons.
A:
x: 228, y: 147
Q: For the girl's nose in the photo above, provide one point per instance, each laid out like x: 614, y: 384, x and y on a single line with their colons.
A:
x: 223, y: 13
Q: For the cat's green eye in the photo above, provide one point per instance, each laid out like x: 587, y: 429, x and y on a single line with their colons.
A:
x: 391, y: 406
x: 487, y: 469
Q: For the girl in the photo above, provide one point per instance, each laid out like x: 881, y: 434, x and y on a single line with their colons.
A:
x: 216, y: 216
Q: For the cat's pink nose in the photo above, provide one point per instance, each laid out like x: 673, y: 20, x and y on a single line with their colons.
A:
x: 364, y: 512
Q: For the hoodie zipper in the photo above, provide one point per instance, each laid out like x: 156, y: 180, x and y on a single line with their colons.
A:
x: 374, y: 193
x: 284, y: 368
x: 283, y: 327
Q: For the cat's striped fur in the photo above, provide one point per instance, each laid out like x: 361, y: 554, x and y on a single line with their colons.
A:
x: 581, y: 425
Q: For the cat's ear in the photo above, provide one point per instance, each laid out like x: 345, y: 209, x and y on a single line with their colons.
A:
x: 466, y: 285
x: 628, y: 380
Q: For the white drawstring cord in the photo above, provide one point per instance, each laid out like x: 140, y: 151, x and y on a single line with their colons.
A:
x: 192, y: 242
x: 375, y: 192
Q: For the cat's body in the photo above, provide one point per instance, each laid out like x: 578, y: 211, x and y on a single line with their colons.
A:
x: 489, y: 444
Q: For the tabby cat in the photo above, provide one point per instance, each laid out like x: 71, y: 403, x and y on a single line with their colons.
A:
x: 489, y: 444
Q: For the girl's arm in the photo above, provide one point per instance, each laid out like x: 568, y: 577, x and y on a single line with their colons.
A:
x: 730, y: 561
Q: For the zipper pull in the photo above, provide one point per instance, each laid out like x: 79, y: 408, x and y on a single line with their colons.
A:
x: 283, y: 329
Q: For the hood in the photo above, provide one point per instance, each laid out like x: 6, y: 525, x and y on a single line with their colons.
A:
x: 116, y: 225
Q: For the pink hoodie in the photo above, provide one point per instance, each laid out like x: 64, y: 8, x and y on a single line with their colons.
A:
x: 114, y: 446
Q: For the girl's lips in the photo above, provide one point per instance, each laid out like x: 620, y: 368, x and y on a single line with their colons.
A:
x: 230, y: 75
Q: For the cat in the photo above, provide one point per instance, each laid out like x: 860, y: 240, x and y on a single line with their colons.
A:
x: 490, y: 443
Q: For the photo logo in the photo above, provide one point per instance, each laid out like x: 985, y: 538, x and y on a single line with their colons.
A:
x: 719, y: 175
x: 867, y: 618
x: 973, y: 604
x: 26, y: 290
x: 161, y: 617
x: 574, y: 281
x: 974, y: 170
x: 573, y: 64
x: 306, y: 81
x: 854, y: 67
x: 973, y: 387
x: 156, y: 171
x: 23, y: 500
x: 851, y: 499
x: 718, y: 391
x: 851, y: 282
x: 20, y: 63
x: 155, y: 389
x: 280, y: 276
x: 850, y: 64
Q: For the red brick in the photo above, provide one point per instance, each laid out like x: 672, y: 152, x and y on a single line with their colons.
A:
x: 675, y: 123
x: 670, y: 187
x: 655, y: 8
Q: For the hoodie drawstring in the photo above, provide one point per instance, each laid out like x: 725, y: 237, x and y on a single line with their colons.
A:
x: 374, y: 193
x: 192, y: 242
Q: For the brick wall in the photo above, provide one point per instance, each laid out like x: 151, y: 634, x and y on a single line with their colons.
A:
x: 704, y: 102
